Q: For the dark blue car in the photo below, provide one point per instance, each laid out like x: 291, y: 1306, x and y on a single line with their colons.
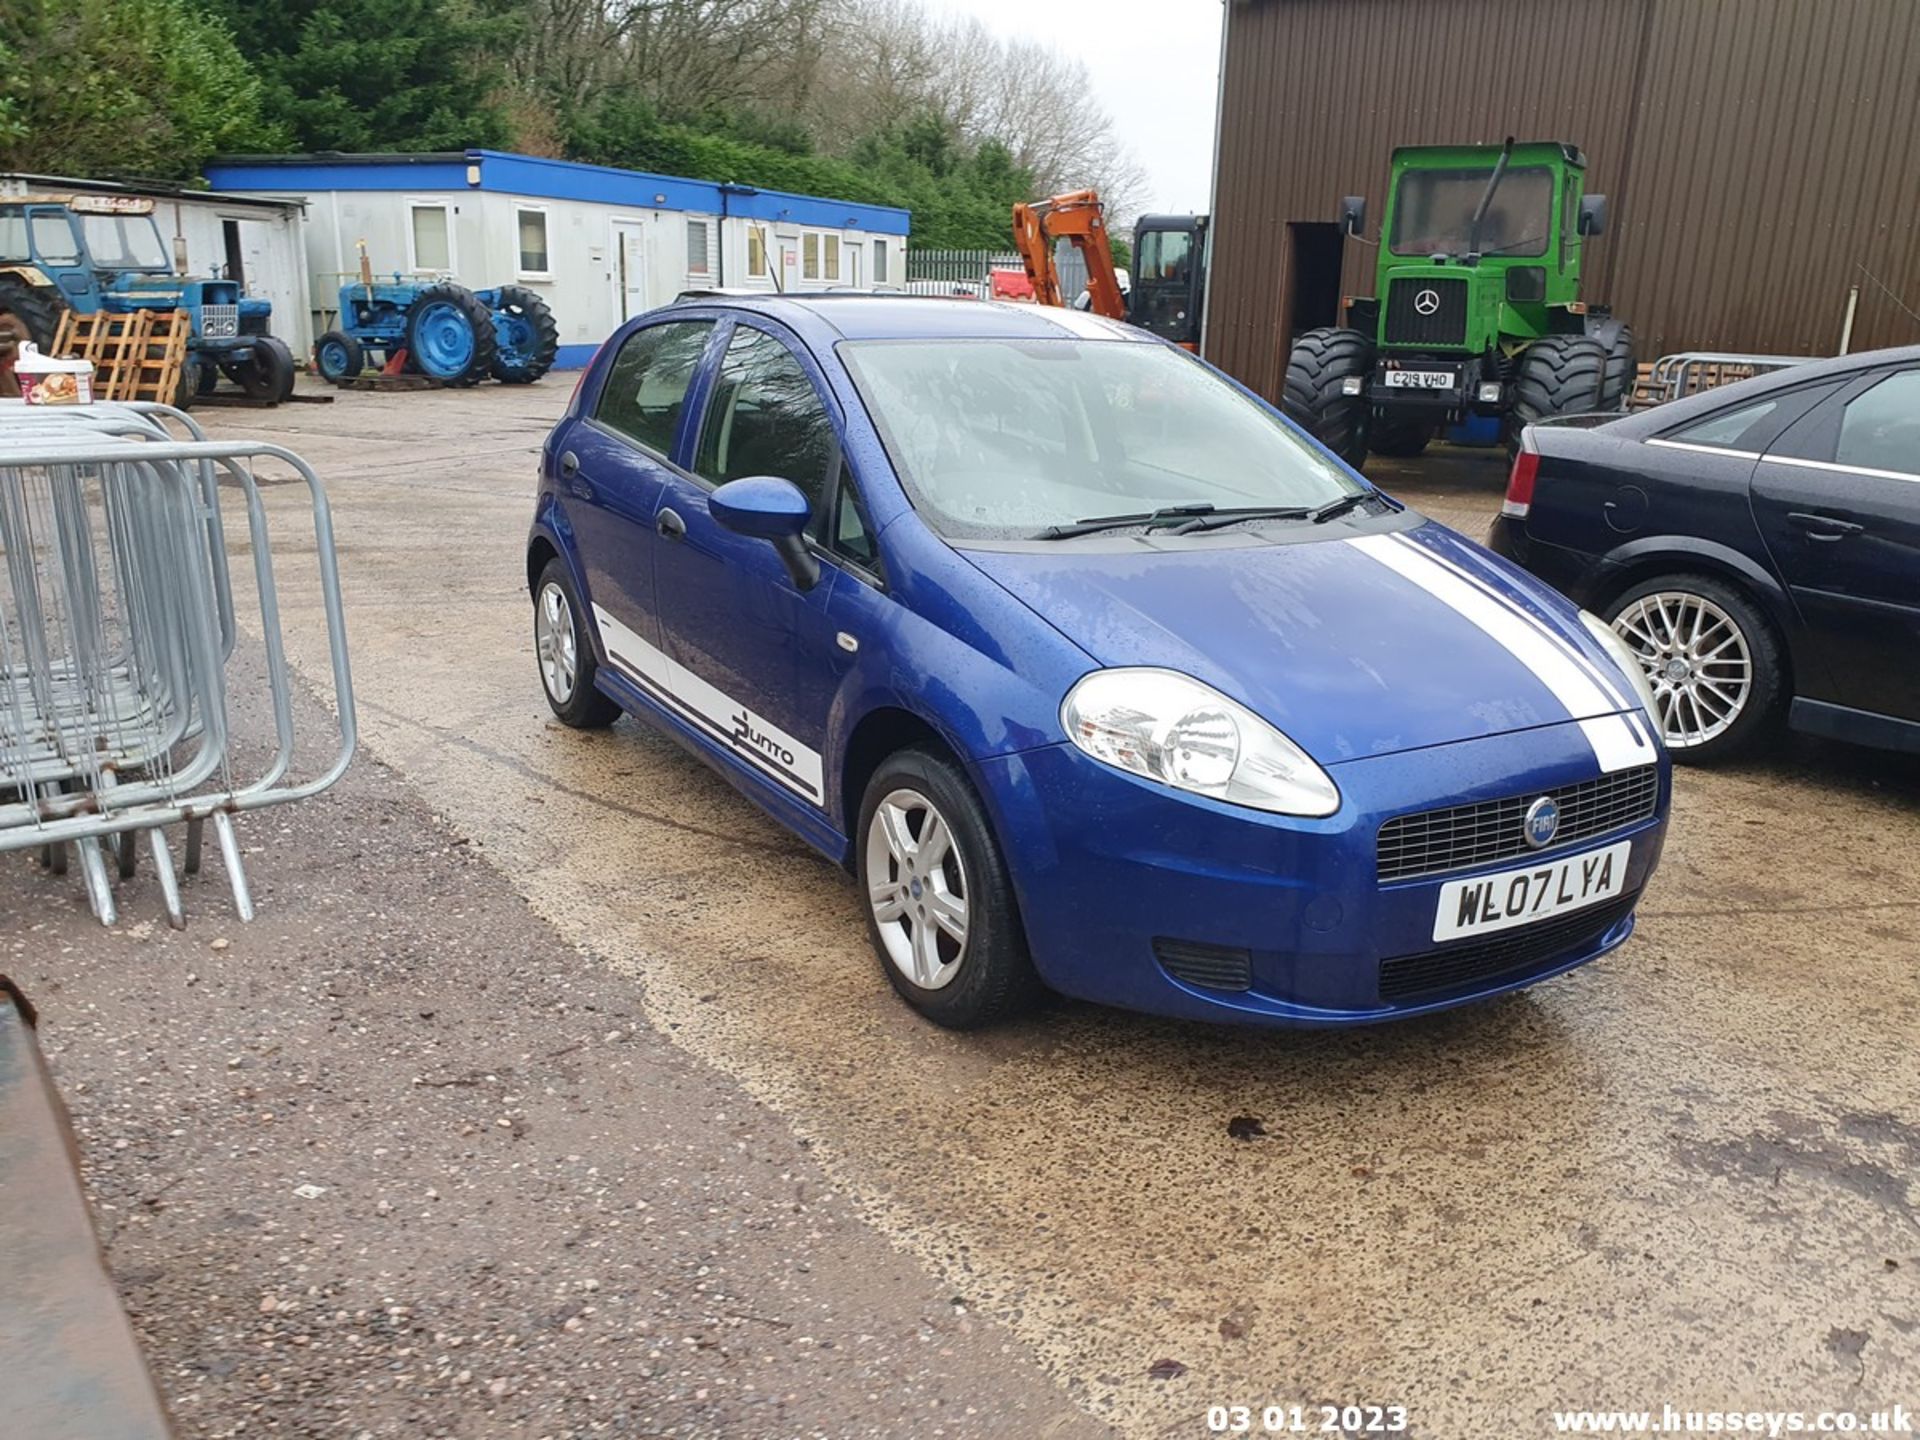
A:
x: 1094, y: 672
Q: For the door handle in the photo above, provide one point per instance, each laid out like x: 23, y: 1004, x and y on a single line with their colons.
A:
x: 1823, y: 527
x: 670, y: 525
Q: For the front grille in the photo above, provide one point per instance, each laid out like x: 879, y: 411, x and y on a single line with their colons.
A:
x: 1217, y: 967
x: 219, y: 322
x: 1508, y: 953
x: 1488, y: 830
x: 1447, y: 325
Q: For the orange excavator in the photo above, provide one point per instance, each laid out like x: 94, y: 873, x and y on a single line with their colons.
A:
x: 1170, y: 263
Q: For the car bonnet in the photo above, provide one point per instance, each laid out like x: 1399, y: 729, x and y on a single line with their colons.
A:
x: 1353, y: 646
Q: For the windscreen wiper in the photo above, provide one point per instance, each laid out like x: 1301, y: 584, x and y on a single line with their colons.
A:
x: 1235, y: 517
x: 1120, y: 522
x: 1333, y: 509
x: 1315, y: 513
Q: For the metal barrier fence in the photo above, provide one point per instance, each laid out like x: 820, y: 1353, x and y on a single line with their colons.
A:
x: 127, y: 702
x: 1674, y: 376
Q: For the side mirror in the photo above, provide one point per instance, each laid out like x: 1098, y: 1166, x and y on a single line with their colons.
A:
x: 1353, y: 214
x: 1593, y: 214
x: 765, y: 507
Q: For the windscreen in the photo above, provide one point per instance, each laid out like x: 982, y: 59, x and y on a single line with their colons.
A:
x: 125, y: 242
x: 1004, y: 438
x: 1433, y: 212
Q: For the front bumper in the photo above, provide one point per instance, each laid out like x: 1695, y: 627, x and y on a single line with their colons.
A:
x: 1106, y: 865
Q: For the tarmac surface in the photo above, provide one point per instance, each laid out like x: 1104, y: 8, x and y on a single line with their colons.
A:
x: 1685, y: 1174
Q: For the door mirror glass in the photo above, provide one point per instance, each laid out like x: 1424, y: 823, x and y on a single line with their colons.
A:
x: 1593, y: 214
x: 1353, y: 214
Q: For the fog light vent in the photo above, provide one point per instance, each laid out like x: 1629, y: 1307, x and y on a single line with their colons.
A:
x: 1217, y: 967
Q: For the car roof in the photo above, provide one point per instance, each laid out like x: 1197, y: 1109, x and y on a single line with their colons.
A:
x: 1660, y: 418
x: 856, y: 315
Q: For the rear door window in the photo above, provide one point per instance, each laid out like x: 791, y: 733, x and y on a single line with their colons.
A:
x: 647, y: 387
x: 1880, y: 429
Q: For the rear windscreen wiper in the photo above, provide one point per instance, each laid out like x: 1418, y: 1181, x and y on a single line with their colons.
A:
x: 1119, y: 522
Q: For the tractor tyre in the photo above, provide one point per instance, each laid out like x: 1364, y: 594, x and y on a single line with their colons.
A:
x: 33, y: 309
x: 338, y: 357
x: 1618, y: 382
x: 450, y: 335
x: 206, y: 375
x: 187, y: 389
x: 1320, y: 362
x: 527, y: 338
x: 267, y: 374
x: 1398, y: 439
x: 1558, y: 375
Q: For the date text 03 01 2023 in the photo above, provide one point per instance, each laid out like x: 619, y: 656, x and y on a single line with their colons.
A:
x: 1344, y: 1420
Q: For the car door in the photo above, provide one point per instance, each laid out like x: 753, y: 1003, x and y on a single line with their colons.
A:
x: 611, y: 469
x: 1837, y: 499
x: 738, y: 633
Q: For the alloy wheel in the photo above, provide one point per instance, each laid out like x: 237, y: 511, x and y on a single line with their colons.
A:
x: 556, y: 643
x: 1697, y: 659
x: 917, y: 886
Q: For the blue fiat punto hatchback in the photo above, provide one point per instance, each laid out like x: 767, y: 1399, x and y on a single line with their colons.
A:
x: 1095, y: 672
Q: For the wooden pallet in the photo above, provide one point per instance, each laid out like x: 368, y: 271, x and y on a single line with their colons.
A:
x: 136, y: 356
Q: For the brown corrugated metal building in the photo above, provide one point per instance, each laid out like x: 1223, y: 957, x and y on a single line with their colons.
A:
x: 1761, y: 157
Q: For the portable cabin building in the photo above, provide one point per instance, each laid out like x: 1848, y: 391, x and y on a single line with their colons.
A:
x: 598, y: 244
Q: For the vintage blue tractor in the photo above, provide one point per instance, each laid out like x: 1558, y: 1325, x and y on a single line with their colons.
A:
x: 94, y: 253
x: 441, y: 330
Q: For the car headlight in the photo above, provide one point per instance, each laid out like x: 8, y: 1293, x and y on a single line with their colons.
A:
x: 1624, y: 657
x: 1165, y: 726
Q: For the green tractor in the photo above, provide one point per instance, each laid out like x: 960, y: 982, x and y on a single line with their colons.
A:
x: 1477, y: 313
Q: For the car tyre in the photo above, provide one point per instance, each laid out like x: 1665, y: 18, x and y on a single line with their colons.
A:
x: 564, y: 654
x: 919, y: 801
x: 1727, y: 649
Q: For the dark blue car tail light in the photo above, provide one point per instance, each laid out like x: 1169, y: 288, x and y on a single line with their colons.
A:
x: 1213, y: 967
x: 1510, y: 953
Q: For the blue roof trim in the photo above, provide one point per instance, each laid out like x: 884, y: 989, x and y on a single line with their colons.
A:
x: 542, y: 179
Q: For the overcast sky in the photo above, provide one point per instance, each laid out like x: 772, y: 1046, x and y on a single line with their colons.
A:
x: 1154, y: 69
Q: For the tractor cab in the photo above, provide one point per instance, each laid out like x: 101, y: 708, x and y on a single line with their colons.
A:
x: 1477, y: 314
x: 104, y: 253
x: 1480, y: 245
x: 1169, y: 276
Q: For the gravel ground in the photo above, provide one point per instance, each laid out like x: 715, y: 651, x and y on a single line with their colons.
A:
x: 395, y: 1161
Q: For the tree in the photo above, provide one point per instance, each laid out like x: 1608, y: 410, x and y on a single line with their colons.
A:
x: 122, y: 87
x: 374, y: 75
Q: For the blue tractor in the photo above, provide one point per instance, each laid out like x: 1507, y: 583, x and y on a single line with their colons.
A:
x: 441, y: 330
x: 94, y: 253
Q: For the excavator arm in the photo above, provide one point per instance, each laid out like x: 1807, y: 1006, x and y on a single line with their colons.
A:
x: 1079, y: 218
